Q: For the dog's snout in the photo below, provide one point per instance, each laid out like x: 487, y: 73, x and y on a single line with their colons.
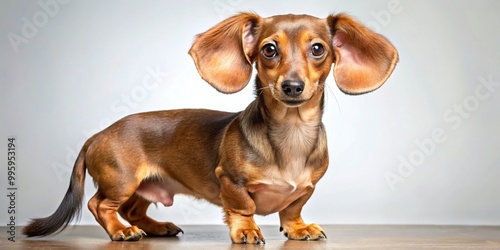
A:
x: 292, y: 88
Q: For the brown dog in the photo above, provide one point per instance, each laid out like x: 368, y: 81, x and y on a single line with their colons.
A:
x: 265, y: 159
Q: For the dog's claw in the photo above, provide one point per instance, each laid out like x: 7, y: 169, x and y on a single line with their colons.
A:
x: 281, y: 229
x: 132, y: 233
x: 247, y: 236
x: 135, y: 237
x: 259, y: 241
x: 172, y: 230
x: 324, y: 235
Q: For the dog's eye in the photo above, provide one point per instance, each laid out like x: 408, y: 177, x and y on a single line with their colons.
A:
x: 269, y: 51
x: 317, y: 50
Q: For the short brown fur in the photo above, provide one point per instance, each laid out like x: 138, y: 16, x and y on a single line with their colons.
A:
x: 265, y: 159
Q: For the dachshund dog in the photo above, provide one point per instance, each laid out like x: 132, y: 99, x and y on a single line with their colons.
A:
x: 262, y: 160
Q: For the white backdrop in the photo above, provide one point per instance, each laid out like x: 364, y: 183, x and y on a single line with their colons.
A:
x: 423, y: 149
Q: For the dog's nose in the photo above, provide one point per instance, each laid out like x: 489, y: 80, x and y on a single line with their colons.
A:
x: 292, y: 88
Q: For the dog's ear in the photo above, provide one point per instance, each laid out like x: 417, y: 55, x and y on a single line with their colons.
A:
x: 363, y: 59
x: 224, y: 54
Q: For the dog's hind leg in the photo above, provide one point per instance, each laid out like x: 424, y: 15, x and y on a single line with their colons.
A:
x: 104, y: 206
x: 134, y: 211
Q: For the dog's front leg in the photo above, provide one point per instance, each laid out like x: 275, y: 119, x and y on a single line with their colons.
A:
x: 239, y: 209
x: 292, y: 224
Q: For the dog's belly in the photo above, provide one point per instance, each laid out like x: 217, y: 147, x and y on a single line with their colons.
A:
x: 156, y: 193
x: 274, y: 197
x: 161, y: 191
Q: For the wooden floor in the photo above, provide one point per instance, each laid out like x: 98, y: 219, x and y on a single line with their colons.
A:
x: 216, y: 237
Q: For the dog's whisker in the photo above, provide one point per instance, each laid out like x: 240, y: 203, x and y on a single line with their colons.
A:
x: 258, y: 90
x: 330, y: 91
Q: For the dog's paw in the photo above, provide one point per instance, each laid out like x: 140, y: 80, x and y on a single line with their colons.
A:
x: 247, y: 236
x: 304, y: 232
x: 164, y: 229
x: 132, y: 233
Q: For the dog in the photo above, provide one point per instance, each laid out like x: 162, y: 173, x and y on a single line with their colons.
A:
x: 262, y: 160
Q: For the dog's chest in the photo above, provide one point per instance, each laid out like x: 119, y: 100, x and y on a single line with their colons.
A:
x: 288, y: 178
x: 278, y: 188
x: 293, y: 141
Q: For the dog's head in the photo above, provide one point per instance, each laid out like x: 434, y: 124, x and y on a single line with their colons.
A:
x: 293, y: 55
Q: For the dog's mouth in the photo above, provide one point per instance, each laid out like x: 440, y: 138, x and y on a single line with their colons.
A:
x: 293, y: 103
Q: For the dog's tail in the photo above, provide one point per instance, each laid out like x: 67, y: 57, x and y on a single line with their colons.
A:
x: 70, y: 207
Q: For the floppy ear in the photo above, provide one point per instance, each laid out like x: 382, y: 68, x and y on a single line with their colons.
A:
x: 363, y: 59
x: 223, y: 55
